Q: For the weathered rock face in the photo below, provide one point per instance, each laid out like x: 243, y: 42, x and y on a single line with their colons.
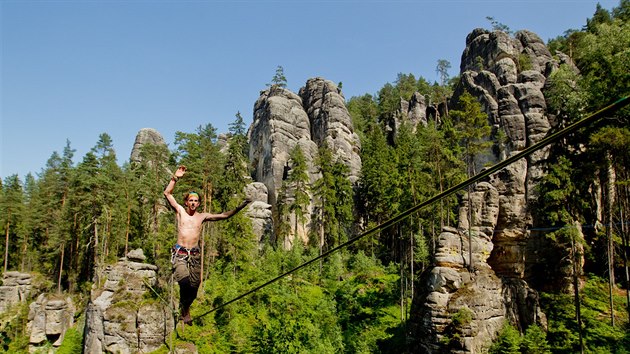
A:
x: 119, y: 318
x: 507, y: 75
x: 16, y: 287
x: 331, y: 124
x: 512, y: 92
x: 280, y: 123
x: 283, y: 120
x: 259, y: 211
x: 415, y: 112
x: 145, y: 136
x: 48, y: 319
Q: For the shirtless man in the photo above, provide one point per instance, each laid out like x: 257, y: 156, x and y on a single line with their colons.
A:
x: 186, y: 255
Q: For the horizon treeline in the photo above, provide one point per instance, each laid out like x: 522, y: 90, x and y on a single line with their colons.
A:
x: 76, y: 217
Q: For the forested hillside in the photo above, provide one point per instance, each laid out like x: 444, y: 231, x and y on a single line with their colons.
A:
x: 69, y: 224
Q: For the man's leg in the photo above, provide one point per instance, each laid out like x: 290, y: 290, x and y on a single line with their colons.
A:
x: 187, y: 294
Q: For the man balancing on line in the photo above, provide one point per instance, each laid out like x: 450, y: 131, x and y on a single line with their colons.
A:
x: 186, y: 255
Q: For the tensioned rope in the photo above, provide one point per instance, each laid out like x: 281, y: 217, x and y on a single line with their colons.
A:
x: 483, y: 174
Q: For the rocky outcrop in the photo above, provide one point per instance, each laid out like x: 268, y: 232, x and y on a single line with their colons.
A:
x: 259, y: 211
x: 16, y: 287
x: 506, y: 74
x: 455, y: 284
x: 283, y: 120
x: 145, y: 136
x: 280, y: 123
x: 331, y: 124
x: 121, y: 316
x: 417, y: 110
x: 414, y: 112
x: 48, y: 319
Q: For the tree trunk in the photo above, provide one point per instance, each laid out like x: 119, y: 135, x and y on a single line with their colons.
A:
x: 96, y: 253
x: 610, y: 197
x: 24, y: 253
x: 206, y: 207
x: 321, y: 236
x: 470, y: 224
x: 412, y: 260
x: 576, y: 294
x: 624, y: 237
x: 63, y: 247
x: 6, y: 245
x: 127, y: 227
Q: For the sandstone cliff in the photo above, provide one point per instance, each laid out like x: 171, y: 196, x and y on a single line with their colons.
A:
x: 122, y: 316
x: 312, y: 119
x: 507, y: 74
x: 145, y: 136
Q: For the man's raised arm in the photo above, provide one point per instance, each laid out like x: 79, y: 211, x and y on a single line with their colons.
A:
x: 168, y: 191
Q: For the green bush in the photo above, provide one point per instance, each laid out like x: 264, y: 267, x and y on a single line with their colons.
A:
x: 72, y: 342
x: 508, y: 342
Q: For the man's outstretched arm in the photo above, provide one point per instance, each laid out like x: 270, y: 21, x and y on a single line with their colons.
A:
x: 227, y: 214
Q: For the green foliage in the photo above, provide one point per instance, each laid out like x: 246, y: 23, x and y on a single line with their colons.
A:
x: 558, y: 194
x: 599, y: 335
x: 498, y: 26
x: 12, y: 220
x: 442, y: 70
x: 353, y: 309
x: 535, y: 341
x: 463, y: 317
x: 479, y: 63
x: 389, y: 96
x: 473, y: 130
x: 600, y: 16
x: 379, y: 178
x: 508, y: 342
x: 604, y: 58
x: 525, y: 62
x: 333, y: 201
x: 278, y: 78
x: 13, y: 335
x: 564, y: 96
x: 366, y: 305
x: 72, y: 342
x: 293, y: 197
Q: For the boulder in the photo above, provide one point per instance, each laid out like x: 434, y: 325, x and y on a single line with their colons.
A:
x: 48, y: 319
x: 145, y: 136
x: 16, y: 287
x: 119, y: 318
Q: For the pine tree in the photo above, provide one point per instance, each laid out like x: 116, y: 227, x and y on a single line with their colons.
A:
x: 332, y: 196
x: 28, y: 254
x: 12, y: 209
x: 379, y: 188
x: 299, y: 183
x: 278, y: 78
x: 202, y: 157
x: 239, y: 245
x: 49, y: 209
x: 473, y: 131
x: 145, y: 198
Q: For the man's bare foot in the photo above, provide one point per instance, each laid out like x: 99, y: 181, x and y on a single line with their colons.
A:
x: 186, y: 317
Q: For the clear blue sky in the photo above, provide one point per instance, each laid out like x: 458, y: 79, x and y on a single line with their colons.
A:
x: 71, y: 70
